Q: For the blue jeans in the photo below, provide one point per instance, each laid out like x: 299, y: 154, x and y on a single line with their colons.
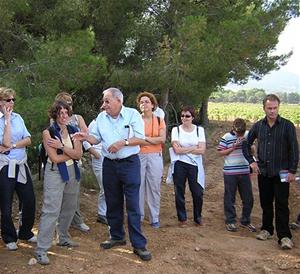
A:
x: 122, y: 178
x: 242, y: 183
x: 27, y: 199
x: 183, y: 172
x: 270, y: 189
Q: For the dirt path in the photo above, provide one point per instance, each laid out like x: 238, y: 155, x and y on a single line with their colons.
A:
x: 206, y: 249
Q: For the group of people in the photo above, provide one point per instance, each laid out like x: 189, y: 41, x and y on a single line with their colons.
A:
x: 126, y: 150
x: 274, y: 157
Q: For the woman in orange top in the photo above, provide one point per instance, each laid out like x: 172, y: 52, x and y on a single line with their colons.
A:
x: 151, y: 157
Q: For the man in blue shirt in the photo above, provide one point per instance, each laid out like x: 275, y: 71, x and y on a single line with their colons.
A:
x: 120, y: 130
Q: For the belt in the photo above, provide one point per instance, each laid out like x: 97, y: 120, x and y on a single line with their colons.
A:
x: 118, y: 160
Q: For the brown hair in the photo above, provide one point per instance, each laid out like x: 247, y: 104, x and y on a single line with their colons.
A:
x: 6, y: 92
x: 271, y: 97
x: 239, y: 126
x: 65, y: 97
x: 190, y: 109
x: 54, y: 110
x: 150, y: 96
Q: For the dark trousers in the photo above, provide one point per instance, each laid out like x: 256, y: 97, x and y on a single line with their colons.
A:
x: 123, y: 178
x: 26, y: 196
x: 270, y: 189
x: 242, y: 183
x: 183, y: 172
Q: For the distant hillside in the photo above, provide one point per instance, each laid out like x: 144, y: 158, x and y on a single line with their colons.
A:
x: 276, y: 81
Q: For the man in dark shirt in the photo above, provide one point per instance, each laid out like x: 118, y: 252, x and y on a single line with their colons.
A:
x: 278, y: 152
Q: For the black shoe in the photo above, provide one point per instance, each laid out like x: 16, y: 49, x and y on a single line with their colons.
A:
x: 102, y: 219
x: 111, y: 243
x: 143, y: 253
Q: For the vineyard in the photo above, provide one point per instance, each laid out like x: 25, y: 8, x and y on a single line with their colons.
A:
x: 249, y: 112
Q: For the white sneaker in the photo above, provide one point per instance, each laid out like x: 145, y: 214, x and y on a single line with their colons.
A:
x: 82, y: 227
x: 12, y: 246
x: 33, y: 239
x: 286, y: 243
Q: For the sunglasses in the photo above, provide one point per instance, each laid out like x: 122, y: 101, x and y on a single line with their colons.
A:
x: 186, y: 116
x: 9, y: 100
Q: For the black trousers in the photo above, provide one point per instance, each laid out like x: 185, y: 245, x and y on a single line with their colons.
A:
x: 26, y: 196
x: 270, y: 189
x: 183, y: 172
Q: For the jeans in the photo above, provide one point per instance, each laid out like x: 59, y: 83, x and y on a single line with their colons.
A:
x: 183, y: 172
x: 271, y: 188
x: 242, y: 183
x: 122, y: 178
x: 27, y: 199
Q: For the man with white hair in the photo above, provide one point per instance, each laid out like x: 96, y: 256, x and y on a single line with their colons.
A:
x: 120, y: 130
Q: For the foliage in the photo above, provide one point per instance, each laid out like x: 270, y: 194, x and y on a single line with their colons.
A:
x: 249, y: 112
x: 252, y: 96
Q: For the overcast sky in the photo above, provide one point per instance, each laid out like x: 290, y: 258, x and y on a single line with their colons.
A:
x: 290, y: 40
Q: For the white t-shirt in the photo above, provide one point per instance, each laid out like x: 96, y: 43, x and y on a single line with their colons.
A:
x: 159, y: 113
x: 187, y: 139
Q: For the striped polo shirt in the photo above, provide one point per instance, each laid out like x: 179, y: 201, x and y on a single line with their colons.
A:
x: 235, y: 162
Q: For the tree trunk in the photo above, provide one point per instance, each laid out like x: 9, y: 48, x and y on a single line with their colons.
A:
x: 203, y: 113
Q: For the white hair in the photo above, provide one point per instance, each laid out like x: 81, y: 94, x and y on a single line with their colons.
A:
x: 116, y: 93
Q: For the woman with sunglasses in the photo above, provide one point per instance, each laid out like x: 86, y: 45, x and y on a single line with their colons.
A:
x: 61, y: 181
x: 77, y: 121
x: 151, y: 157
x: 188, y: 142
x: 14, y: 172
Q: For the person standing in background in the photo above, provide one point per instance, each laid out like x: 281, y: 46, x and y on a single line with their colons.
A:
x: 151, y: 157
x: 236, y: 176
x: 77, y: 121
x: 278, y: 154
x: 188, y: 143
x: 121, y: 131
x: 14, y: 172
x: 97, y: 161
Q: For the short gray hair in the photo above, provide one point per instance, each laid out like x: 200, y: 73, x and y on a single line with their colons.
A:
x: 116, y: 93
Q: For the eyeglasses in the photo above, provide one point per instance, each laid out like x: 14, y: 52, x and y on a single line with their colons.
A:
x: 186, y: 116
x: 9, y: 100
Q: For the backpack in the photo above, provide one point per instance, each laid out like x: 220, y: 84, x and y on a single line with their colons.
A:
x: 42, y: 153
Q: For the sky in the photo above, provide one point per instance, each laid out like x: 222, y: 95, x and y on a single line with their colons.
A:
x: 281, y: 80
x: 290, y: 40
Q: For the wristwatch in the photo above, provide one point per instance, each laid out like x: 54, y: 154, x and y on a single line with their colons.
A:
x: 126, y: 142
x: 14, y: 146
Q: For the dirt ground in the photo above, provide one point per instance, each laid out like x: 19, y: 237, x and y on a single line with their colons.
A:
x: 206, y: 249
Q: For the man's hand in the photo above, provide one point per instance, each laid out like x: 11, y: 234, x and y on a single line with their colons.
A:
x: 115, y: 147
x: 290, y: 177
x: 255, y: 168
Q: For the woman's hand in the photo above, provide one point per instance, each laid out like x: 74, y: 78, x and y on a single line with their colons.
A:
x: 55, y: 143
x: 7, y: 110
x: 4, y: 149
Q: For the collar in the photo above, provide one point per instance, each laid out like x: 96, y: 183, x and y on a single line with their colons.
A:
x: 121, y: 113
x: 13, y: 114
x: 278, y: 119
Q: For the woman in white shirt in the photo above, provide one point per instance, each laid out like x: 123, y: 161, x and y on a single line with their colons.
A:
x: 188, y: 142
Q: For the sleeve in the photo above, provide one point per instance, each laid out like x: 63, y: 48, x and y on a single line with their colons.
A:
x: 293, y: 149
x: 137, y: 125
x: 201, y: 137
x: 174, y: 134
x: 95, y: 131
x: 246, y: 148
x: 223, y: 144
x: 25, y: 131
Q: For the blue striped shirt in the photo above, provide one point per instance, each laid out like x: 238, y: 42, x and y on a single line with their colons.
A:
x: 235, y: 162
